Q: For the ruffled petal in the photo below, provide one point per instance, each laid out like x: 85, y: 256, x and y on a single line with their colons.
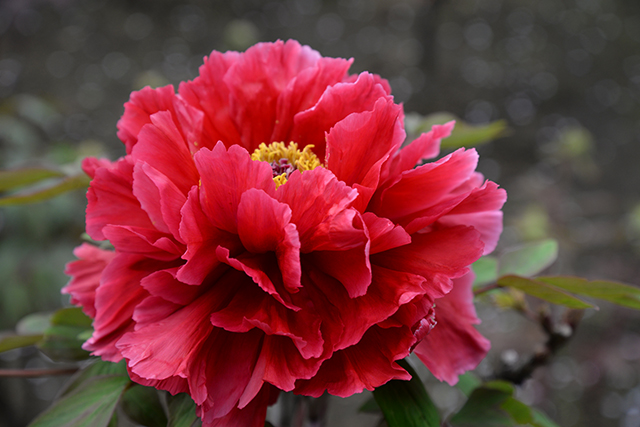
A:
x: 138, y: 110
x: 454, y: 346
x: 336, y: 103
x: 85, y: 275
x: 361, y: 143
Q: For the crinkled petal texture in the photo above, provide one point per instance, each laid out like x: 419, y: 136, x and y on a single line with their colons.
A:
x: 231, y: 289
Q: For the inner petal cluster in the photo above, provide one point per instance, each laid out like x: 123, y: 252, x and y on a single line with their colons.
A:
x: 286, y: 159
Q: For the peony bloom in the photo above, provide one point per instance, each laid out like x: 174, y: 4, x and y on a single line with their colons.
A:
x: 271, y: 234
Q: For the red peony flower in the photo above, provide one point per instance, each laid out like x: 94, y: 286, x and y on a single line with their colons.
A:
x: 271, y: 234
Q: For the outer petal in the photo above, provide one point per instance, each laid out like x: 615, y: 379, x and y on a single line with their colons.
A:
x: 360, y: 144
x: 368, y: 364
x: 85, y: 275
x: 454, y: 346
x: 252, y: 415
x: 138, y: 110
x: 337, y: 102
x: 114, y: 315
x: 256, y: 81
x: 210, y: 94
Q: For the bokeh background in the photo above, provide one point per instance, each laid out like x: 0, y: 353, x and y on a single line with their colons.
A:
x: 565, y: 74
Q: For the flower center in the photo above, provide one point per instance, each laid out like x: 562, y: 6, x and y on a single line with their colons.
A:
x: 286, y: 159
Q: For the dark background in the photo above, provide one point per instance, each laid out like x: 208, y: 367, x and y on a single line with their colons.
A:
x: 564, y: 73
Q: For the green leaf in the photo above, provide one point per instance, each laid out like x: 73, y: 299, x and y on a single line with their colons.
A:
x: 541, y: 420
x: 483, y: 408
x: 33, y: 324
x: 370, y: 406
x: 543, y: 291
x: 142, y: 405
x: 61, y: 343
x: 67, y: 184
x: 91, y: 405
x: 11, y: 179
x: 182, y: 411
x: 530, y: 259
x: 518, y: 411
x: 464, y: 134
x: 467, y: 383
x: 18, y: 341
x: 617, y: 293
x: 406, y: 403
x: 98, y: 367
x: 72, y: 316
x: 486, y: 271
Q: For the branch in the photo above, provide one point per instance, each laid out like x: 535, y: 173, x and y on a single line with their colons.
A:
x: 34, y: 373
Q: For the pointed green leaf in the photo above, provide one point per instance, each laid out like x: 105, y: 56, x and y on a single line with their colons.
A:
x: 17, y: 341
x: 486, y: 271
x: 518, y: 411
x: 182, y: 411
x: 61, y: 343
x: 529, y: 259
x: 464, y: 134
x: 11, y: 179
x: 72, y: 316
x: 467, y: 383
x: 91, y: 405
x: 617, y: 293
x: 67, y: 184
x: 97, y: 367
x: 541, y: 420
x: 142, y: 405
x: 406, y: 403
x: 33, y: 324
x: 483, y: 408
x: 543, y: 291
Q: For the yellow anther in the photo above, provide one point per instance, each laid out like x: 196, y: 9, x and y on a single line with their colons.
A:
x: 276, y: 152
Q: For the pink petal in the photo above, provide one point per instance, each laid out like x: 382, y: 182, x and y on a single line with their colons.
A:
x: 85, y: 275
x: 164, y: 284
x: 454, y: 346
x: 384, y: 234
x: 90, y: 165
x: 252, y: 415
x: 138, y: 110
x: 143, y: 241
x: 337, y: 102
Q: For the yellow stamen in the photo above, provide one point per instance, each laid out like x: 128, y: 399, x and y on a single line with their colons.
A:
x: 275, y: 152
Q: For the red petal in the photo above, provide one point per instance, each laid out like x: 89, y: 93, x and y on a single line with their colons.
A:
x: 202, y: 239
x: 368, y: 364
x: 264, y: 226
x: 304, y: 91
x: 138, y: 110
x: 438, y: 256
x: 423, y: 187
x: 85, y: 275
x: 256, y: 81
x: 143, y: 241
x: 209, y: 93
x: 163, y: 147
x: 384, y: 234
x: 252, y: 415
x: 426, y: 146
x: 114, y: 315
x: 358, y: 145
x: 111, y: 200
x: 225, y: 175
x: 336, y: 103
x: 454, y: 346
x: 165, y: 285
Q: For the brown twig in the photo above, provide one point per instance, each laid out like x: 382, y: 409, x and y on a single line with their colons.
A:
x: 34, y: 373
